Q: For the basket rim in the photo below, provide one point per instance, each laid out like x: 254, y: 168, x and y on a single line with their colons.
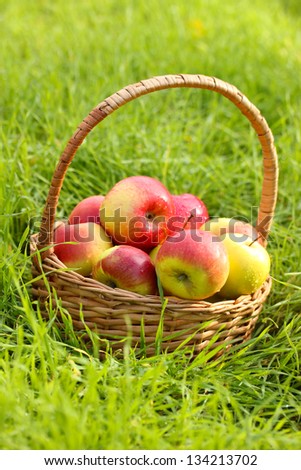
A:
x: 53, y: 265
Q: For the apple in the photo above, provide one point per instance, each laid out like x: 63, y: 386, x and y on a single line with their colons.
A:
x: 126, y: 267
x: 222, y: 225
x: 79, y: 246
x: 136, y: 211
x: 249, y: 266
x: 190, y: 212
x: 192, y: 264
x: 86, y: 210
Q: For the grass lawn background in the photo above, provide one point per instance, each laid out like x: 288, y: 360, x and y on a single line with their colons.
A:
x: 58, y: 60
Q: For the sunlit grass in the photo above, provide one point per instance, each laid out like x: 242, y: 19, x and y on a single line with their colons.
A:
x: 59, y: 60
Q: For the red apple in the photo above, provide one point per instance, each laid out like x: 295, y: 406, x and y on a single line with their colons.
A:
x: 126, y: 267
x: 192, y: 264
x: 190, y: 212
x: 136, y: 211
x: 86, y: 210
x: 79, y: 246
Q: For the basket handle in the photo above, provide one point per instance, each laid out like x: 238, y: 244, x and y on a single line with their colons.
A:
x: 129, y: 93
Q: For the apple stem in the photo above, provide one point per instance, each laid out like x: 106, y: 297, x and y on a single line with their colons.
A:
x: 256, y: 239
x: 188, y: 219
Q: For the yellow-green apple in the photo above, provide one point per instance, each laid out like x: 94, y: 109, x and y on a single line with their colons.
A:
x: 79, y: 246
x: 222, y: 225
x: 136, y: 210
x: 192, y: 264
x: 126, y: 267
x: 190, y: 212
x: 249, y: 266
x: 86, y: 210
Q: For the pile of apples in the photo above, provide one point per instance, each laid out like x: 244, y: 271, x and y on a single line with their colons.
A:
x: 140, y: 232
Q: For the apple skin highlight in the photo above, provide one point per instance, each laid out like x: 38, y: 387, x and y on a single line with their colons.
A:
x: 194, y: 266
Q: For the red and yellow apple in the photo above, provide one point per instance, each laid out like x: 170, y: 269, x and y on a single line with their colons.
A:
x: 86, y: 210
x: 222, y: 225
x: 190, y: 212
x: 126, y: 267
x: 136, y: 211
x: 249, y: 266
x: 192, y: 264
x: 79, y: 246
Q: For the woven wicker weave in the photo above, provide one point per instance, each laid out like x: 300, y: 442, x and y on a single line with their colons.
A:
x: 116, y: 314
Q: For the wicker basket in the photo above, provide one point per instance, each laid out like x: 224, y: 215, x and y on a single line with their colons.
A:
x: 115, y: 314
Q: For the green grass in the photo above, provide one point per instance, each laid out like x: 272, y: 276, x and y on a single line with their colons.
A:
x: 58, y: 60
